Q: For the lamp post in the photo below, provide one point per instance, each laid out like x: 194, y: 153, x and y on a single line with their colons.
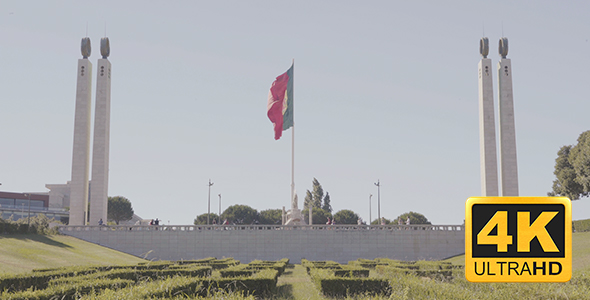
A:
x: 378, y: 201
x: 370, y: 218
x: 209, y: 201
x: 219, y: 209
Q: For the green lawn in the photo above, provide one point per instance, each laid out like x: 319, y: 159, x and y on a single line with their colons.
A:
x: 23, y: 253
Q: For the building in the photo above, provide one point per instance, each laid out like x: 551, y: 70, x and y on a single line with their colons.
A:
x: 23, y: 205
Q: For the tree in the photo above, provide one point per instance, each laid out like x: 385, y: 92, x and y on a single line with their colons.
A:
x: 202, y: 219
x: 271, y: 217
x: 386, y: 221
x: 317, y: 193
x: 240, y: 214
x: 415, y: 218
x: 327, y: 207
x: 318, y: 216
x: 572, y: 169
x: 346, y: 216
x: 566, y: 183
x: 119, y: 209
x: 308, y: 199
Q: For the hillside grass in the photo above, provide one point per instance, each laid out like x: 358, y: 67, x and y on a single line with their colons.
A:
x: 580, y: 253
x: 23, y: 253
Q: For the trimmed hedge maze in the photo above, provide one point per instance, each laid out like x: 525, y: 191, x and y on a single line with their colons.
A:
x: 151, y: 280
x: 371, y: 277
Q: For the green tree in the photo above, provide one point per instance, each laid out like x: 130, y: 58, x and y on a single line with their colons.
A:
x: 317, y: 193
x: 240, y: 214
x: 327, y: 207
x: 308, y: 199
x: 415, y: 218
x: 572, y: 169
x: 318, y: 216
x: 566, y: 183
x: 580, y: 160
x: 202, y: 219
x: 346, y: 216
x: 271, y: 217
x: 119, y: 209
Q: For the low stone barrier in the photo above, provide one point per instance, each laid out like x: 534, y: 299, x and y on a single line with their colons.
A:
x: 340, y: 243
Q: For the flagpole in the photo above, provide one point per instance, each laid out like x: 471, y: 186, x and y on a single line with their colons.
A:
x: 293, y: 142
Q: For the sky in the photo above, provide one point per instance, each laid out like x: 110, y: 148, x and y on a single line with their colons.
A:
x: 384, y: 91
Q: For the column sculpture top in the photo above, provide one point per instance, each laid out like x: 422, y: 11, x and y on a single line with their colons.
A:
x: 105, y: 47
x: 85, y: 47
x: 484, y: 47
x: 503, y: 47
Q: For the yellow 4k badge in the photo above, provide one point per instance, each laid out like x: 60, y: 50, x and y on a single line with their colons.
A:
x: 518, y: 239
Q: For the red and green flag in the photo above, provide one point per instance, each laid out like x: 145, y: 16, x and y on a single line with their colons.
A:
x: 280, y: 103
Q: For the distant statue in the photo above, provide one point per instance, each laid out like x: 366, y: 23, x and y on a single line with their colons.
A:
x: 484, y: 47
x: 105, y: 47
x: 85, y: 47
x: 503, y: 47
x: 294, y: 203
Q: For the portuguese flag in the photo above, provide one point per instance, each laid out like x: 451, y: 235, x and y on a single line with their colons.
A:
x: 280, y: 103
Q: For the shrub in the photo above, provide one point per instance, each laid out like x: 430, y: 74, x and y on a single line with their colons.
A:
x: 263, y: 283
x: 351, y: 272
x: 581, y: 225
x: 340, y: 287
x: 68, y: 291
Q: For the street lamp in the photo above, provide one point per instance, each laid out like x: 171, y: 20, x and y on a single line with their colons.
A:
x: 219, y: 208
x: 378, y: 201
x: 370, y: 218
x: 209, y: 201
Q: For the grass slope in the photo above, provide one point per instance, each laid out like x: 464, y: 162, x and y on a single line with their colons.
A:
x: 23, y: 253
x: 580, y: 252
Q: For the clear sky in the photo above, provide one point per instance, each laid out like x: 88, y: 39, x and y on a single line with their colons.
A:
x: 384, y: 90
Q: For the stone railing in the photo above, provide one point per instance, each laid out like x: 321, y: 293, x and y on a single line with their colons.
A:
x: 261, y: 227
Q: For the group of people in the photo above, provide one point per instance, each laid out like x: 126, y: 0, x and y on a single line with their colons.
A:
x: 401, y: 222
x: 225, y: 222
x: 155, y: 222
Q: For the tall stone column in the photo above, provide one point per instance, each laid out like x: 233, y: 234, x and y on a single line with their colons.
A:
x: 100, y: 150
x: 487, y: 127
x: 508, y: 163
x: 81, y: 151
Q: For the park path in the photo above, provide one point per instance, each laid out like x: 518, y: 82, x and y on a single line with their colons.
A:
x: 295, y: 283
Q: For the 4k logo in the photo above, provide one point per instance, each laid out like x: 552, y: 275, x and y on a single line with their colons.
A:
x: 518, y: 239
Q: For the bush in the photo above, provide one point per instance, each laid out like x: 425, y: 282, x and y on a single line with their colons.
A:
x: 263, y: 283
x: 351, y: 272
x: 341, y: 287
x: 68, y: 291
x: 581, y: 225
x: 39, y: 224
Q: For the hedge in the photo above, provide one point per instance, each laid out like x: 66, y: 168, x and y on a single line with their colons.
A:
x: 21, y: 282
x: 263, y: 283
x: 68, y: 291
x: 340, y: 287
x: 137, y: 275
x: 351, y: 272
x: 581, y: 225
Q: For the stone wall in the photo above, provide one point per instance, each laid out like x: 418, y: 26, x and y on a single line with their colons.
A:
x: 340, y: 243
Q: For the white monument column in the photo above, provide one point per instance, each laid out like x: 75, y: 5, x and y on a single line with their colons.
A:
x: 100, y: 150
x: 81, y: 151
x: 508, y: 165
x: 487, y: 127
